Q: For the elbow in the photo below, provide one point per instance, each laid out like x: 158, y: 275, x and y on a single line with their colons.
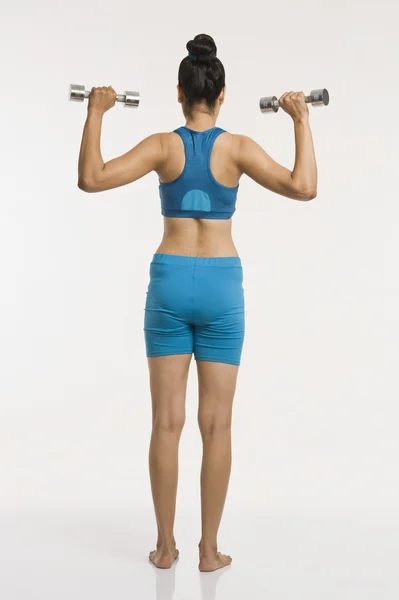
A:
x: 308, y: 194
x: 312, y: 194
x: 85, y: 186
x: 304, y: 190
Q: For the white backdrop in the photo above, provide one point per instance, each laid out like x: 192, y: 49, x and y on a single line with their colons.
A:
x: 316, y: 408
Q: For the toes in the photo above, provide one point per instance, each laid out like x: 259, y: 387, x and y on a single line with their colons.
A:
x: 226, y: 559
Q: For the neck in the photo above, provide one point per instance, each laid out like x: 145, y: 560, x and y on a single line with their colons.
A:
x: 201, y: 122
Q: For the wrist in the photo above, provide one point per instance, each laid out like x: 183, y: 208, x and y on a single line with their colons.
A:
x: 302, y: 119
x: 95, y: 113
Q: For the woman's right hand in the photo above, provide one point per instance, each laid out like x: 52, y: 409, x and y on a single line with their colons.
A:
x: 101, y: 99
x: 294, y: 104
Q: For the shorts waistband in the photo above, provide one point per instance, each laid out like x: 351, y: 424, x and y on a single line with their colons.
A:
x: 203, y: 261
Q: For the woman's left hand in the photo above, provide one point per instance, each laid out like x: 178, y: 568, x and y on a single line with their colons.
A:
x: 101, y: 99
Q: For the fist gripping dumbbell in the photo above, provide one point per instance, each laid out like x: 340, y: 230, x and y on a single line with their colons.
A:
x: 78, y: 93
x: 316, y: 98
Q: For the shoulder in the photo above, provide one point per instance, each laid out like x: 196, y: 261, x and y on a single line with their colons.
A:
x: 236, y: 144
x: 240, y: 140
x: 235, y: 139
x: 229, y: 142
x: 158, y: 144
x: 244, y: 146
x: 168, y: 140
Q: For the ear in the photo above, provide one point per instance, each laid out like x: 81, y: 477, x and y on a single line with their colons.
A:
x: 180, y: 94
x: 222, y: 95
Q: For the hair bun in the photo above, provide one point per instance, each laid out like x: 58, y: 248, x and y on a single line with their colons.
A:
x: 203, y: 48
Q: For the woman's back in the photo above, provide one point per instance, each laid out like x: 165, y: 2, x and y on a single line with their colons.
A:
x: 199, y: 236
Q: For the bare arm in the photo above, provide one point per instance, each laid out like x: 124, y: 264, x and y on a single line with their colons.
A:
x: 96, y: 176
x: 300, y: 183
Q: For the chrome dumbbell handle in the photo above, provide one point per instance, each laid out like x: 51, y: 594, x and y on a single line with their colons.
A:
x: 78, y: 93
x: 316, y: 98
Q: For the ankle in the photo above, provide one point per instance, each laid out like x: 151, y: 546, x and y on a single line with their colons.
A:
x: 166, y: 545
x: 207, y: 548
x: 166, y: 550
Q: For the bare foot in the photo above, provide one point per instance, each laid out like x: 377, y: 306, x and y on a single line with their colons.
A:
x: 163, y: 559
x: 214, y: 562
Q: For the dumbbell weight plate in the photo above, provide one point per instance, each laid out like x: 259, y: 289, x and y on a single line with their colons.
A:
x: 132, y: 99
x: 319, y: 97
x: 269, y: 104
x: 77, y: 93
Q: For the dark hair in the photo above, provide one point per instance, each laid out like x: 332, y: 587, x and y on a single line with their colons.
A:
x: 201, y: 77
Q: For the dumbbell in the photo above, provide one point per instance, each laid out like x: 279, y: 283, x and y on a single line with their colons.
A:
x: 79, y: 94
x: 316, y: 98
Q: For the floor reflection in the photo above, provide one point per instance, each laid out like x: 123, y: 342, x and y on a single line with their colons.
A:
x: 166, y: 582
x: 209, y: 583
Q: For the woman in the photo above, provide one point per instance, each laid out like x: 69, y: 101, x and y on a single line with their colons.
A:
x: 195, y: 299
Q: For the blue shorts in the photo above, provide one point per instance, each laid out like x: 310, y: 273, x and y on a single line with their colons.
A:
x: 195, y: 305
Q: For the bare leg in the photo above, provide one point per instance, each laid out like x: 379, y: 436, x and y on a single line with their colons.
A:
x: 168, y: 384
x: 217, y: 384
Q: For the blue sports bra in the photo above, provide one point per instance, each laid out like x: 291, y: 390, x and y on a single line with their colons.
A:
x: 196, y: 193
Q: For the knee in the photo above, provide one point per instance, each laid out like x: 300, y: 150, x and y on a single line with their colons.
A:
x: 213, y: 426
x: 169, y: 423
